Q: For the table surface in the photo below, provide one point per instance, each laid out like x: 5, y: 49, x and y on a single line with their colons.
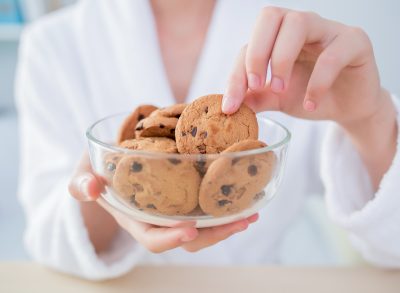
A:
x: 28, y: 277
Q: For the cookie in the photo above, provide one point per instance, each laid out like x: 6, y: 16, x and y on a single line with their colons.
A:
x: 203, y: 128
x: 158, y: 185
x: 127, y: 129
x: 172, y: 111
x: 232, y: 184
x: 156, y: 127
x: 155, y: 144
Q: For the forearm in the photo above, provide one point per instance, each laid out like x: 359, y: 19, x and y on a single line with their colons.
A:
x: 375, y: 138
x: 101, y: 226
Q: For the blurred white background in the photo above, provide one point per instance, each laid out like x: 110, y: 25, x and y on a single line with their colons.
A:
x: 312, y: 239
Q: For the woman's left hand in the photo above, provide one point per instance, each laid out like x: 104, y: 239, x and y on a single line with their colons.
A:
x: 321, y: 69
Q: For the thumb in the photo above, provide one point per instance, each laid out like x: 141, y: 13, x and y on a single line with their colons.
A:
x: 85, y: 187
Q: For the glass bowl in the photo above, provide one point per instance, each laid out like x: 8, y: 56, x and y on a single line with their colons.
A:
x: 105, y: 156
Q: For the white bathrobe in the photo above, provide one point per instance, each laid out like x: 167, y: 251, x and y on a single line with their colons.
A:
x: 101, y: 57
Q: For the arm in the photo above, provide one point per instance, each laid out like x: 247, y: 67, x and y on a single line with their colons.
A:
x: 51, y: 143
x: 375, y: 139
x: 324, y: 70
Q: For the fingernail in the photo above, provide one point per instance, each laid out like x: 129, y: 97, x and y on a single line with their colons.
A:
x: 277, y: 84
x: 253, y: 81
x: 84, y: 187
x: 309, y: 106
x: 253, y: 218
x: 228, y: 104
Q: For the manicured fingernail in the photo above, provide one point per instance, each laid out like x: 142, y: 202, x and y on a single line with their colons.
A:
x: 253, y: 218
x: 228, y: 104
x: 309, y: 106
x: 84, y: 187
x: 253, y: 81
x: 277, y: 84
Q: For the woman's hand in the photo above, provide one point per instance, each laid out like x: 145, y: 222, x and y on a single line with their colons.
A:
x: 85, y: 187
x: 320, y: 69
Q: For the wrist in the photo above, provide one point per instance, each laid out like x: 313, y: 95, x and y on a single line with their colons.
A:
x: 375, y: 138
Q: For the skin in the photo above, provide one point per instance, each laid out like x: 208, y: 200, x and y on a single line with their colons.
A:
x: 321, y: 70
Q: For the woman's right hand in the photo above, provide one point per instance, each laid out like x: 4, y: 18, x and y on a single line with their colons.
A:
x: 85, y: 187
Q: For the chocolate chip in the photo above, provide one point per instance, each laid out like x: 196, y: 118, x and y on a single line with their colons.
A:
x: 175, y: 161
x: 183, y: 133
x: 226, y: 189
x: 162, y: 125
x: 203, y: 134
x: 110, y: 167
x: 136, y: 167
x: 151, y: 206
x: 235, y: 160
x: 200, y: 167
x: 202, y: 148
x: 193, y: 132
x: 223, y: 202
x: 140, y: 117
x: 252, y: 170
x: 206, y: 109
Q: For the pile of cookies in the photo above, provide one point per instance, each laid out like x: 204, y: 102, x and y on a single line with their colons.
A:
x: 167, y: 179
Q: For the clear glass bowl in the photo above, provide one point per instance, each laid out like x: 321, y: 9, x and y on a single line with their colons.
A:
x: 104, y: 155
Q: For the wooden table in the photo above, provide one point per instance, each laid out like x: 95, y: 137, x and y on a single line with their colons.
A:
x: 28, y: 277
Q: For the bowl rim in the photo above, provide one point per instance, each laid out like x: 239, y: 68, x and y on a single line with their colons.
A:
x: 116, y: 148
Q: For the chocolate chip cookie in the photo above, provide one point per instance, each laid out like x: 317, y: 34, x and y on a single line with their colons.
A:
x: 157, y: 185
x: 157, y: 126
x: 233, y: 183
x: 171, y: 111
x: 203, y: 128
x: 155, y: 144
x: 127, y: 129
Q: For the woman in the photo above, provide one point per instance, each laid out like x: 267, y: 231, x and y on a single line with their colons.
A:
x: 101, y: 57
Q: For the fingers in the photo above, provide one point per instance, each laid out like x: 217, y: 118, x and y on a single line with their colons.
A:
x: 261, y: 44
x: 211, y: 236
x: 278, y: 38
x: 297, y: 29
x: 332, y: 61
x: 160, y: 239
x: 154, y: 238
x: 84, y: 185
x: 237, y: 85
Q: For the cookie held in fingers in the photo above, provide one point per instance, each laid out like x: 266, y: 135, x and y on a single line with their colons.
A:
x: 232, y: 184
x: 204, y: 128
x: 153, y: 144
x: 156, y: 185
x: 157, y: 126
x: 128, y: 127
